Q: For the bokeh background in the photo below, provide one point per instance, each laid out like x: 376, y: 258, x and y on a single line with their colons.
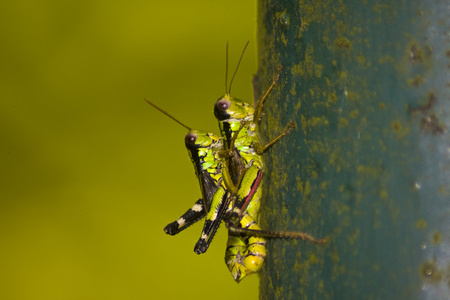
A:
x: 91, y: 174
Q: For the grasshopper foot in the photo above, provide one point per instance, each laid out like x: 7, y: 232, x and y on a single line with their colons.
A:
x: 201, y: 247
x: 172, y: 228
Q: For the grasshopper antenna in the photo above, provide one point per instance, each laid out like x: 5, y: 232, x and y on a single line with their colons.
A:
x: 167, y: 114
x: 226, y: 70
x: 237, y: 67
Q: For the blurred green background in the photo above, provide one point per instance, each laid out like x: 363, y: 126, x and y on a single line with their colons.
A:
x: 91, y: 174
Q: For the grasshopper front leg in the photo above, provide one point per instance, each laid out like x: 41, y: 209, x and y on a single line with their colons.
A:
x: 259, y: 106
x: 257, y: 116
x: 261, y: 149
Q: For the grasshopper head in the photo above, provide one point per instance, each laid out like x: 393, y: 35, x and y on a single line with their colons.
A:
x: 202, y: 147
x: 228, y: 108
x: 195, y: 139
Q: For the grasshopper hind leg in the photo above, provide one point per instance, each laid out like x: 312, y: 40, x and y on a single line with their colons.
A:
x: 213, y: 219
x: 195, y: 213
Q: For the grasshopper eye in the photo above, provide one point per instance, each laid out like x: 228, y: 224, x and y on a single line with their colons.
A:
x: 190, y: 138
x: 223, y: 104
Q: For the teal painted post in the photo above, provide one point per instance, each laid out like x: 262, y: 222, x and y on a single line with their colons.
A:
x: 368, y: 165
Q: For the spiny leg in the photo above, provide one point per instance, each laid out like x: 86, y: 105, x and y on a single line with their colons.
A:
x: 195, y: 213
x: 277, y: 234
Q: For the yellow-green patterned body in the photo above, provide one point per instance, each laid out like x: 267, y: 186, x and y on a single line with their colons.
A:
x: 202, y: 148
x: 244, y: 254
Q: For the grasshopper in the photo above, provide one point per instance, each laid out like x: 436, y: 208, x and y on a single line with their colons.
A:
x: 202, y: 148
x: 230, y: 170
x: 243, y: 151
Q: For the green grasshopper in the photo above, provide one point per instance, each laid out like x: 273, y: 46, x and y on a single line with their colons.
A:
x: 202, y: 148
x: 231, y: 196
x: 243, y: 151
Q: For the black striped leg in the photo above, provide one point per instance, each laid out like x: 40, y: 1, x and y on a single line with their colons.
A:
x: 195, y: 213
x: 214, y: 217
